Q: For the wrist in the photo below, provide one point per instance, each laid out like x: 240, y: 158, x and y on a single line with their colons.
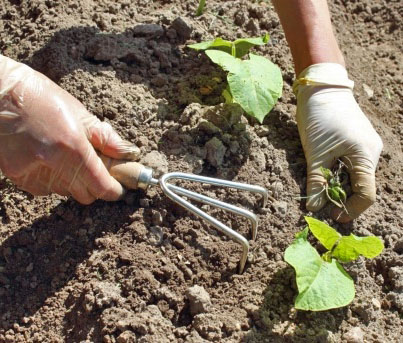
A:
x: 309, y: 33
x: 316, y: 53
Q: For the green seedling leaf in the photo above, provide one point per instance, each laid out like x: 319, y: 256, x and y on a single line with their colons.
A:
x: 227, y: 62
x: 255, y: 84
x: 327, y: 173
x: 218, y: 43
x: 351, y: 247
x: 237, y: 48
x: 243, y: 45
x: 322, y: 285
x: 200, y: 8
x: 325, y: 234
x: 334, y: 190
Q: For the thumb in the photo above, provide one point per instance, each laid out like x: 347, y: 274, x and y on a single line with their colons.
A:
x: 106, y: 140
x: 364, y: 195
x: 316, y: 194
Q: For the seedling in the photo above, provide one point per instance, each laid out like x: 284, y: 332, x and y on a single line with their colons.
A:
x: 200, y: 8
x: 322, y: 282
x: 334, y: 190
x: 255, y: 83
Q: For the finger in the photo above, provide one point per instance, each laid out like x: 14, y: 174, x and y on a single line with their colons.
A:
x: 364, y: 195
x: 105, y: 139
x: 96, y: 178
x: 79, y: 192
x: 316, y: 193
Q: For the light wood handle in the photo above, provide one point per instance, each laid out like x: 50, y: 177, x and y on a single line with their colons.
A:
x: 128, y: 173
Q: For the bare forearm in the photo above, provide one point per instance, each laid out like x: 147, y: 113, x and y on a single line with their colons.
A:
x: 309, y: 32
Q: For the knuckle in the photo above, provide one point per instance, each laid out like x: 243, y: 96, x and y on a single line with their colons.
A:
x: 70, y: 141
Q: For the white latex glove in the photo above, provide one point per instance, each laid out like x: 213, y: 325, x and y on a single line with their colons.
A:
x: 332, y: 126
x: 47, y: 139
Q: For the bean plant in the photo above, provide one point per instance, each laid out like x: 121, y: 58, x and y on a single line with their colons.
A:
x: 322, y: 282
x: 255, y: 83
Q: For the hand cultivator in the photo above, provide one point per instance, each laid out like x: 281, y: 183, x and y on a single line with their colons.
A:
x: 134, y: 175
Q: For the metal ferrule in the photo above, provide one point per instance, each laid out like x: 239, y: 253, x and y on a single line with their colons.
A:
x: 145, y: 177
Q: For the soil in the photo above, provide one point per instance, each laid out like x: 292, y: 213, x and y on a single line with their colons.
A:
x: 144, y: 269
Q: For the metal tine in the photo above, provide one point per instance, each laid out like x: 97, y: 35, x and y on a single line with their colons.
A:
x: 218, y: 182
x: 216, y: 223
x: 220, y: 204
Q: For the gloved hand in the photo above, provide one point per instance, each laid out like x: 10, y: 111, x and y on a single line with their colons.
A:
x: 47, y: 139
x: 331, y: 125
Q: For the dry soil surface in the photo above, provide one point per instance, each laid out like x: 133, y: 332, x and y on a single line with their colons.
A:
x: 144, y: 269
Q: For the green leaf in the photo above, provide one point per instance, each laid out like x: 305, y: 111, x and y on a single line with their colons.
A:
x: 325, y: 234
x: 225, y: 61
x: 327, y: 173
x: 351, y: 247
x: 255, y: 84
x: 322, y: 285
x: 242, y: 45
x: 200, y: 8
x: 218, y: 44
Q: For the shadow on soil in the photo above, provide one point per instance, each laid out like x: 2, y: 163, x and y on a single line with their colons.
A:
x: 148, y: 55
x: 40, y: 259
x: 278, y: 321
x: 151, y: 56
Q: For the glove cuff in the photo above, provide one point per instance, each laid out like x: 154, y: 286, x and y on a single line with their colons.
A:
x: 323, y: 74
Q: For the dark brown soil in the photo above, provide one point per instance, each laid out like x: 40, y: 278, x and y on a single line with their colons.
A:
x: 123, y: 272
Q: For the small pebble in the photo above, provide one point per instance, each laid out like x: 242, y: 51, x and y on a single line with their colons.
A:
x: 354, y: 335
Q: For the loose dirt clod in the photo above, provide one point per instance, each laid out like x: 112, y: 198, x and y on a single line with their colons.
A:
x: 199, y: 300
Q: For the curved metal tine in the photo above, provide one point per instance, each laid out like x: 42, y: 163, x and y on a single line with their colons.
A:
x: 220, y: 204
x: 218, y: 182
x: 217, y: 224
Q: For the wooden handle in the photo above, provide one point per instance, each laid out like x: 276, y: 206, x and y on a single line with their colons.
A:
x: 128, y: 173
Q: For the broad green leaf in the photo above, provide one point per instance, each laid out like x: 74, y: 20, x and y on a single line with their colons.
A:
x: 255, y: 84
x: 322, y: 285
x: 351, y: 247
x: 325, y: 234
x: 217, y: 43
x: 225, y: 61
x: 243, y: 45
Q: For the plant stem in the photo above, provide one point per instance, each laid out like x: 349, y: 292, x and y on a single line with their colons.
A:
x: 200, y: 9
x: 233, y: 50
